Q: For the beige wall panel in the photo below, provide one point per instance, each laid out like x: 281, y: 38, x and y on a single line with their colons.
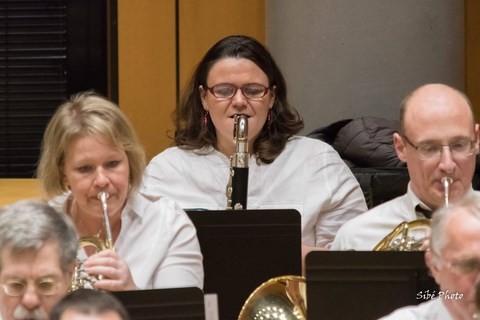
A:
x: 360, y: 58
x: 146, y: 59
x: 13, y: 190
x: 202, y: 23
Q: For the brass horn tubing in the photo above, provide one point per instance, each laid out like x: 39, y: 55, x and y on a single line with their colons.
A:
x: 401, y: 234
x: 81, y: 279
x: 92, y: 241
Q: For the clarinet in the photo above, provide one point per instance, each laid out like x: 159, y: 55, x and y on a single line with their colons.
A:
x: 237, y: 187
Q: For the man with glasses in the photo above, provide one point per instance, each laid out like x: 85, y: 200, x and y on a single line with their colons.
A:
x: 438, y: 139
x: 38, y: 248
x: 454, y: 261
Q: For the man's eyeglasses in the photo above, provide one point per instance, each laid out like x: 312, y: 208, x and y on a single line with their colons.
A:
x: 250, y: 91
x: 44, y: 287
x: 461, y: 148
x: 462, y: 268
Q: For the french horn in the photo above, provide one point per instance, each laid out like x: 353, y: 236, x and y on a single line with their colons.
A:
x: 80, y: 278
x: 278, y: 298
x: 405, y: 236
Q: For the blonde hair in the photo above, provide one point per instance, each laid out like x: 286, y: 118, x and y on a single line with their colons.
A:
x: 85, y: 114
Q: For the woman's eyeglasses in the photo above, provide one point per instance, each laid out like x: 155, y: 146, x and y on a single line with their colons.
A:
x: 250, y: 91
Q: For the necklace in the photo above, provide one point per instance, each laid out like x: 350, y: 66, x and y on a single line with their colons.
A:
x: 98, y: 234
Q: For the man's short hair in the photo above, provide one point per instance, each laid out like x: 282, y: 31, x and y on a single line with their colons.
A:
x: 29, y: 224
x: 89, y: 302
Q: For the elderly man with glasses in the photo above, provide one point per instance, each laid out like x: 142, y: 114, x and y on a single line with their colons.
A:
x: 454, y: 261
x: 38, y: 248
x: 438, y: 139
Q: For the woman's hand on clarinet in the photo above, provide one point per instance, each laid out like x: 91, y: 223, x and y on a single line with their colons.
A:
x: 112, y: 271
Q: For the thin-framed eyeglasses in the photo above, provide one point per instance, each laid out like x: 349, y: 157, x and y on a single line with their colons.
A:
x: 461, y: 267
x: 253, y: 91
x: 44, y: 287
x: 460, y: 148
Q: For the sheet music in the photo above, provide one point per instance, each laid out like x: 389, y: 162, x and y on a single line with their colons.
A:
x: 211, y: 306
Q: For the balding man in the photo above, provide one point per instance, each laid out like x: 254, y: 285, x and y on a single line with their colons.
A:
x: 438, y: 139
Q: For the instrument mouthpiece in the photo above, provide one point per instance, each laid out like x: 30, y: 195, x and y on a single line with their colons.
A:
x: 103, y: 196
x: 446, y: 181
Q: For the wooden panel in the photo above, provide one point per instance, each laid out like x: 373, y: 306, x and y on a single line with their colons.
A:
x: 146, y: 59
x: 12, y: 190
x: 202, y: 23
x: 472, y: 52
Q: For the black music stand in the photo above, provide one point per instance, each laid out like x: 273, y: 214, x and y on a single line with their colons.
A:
x: 244, y: 248
x: 163, y: 304
x: 364, y: 284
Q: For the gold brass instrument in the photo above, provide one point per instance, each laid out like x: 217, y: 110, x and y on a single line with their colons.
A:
x: 278, y: 298
x: 81, y: 279
x: 402, y: 238
x: 103, y: 196
x: 237, y: 187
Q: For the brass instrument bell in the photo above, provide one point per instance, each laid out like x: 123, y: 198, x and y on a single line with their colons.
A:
x: 278, y: 298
